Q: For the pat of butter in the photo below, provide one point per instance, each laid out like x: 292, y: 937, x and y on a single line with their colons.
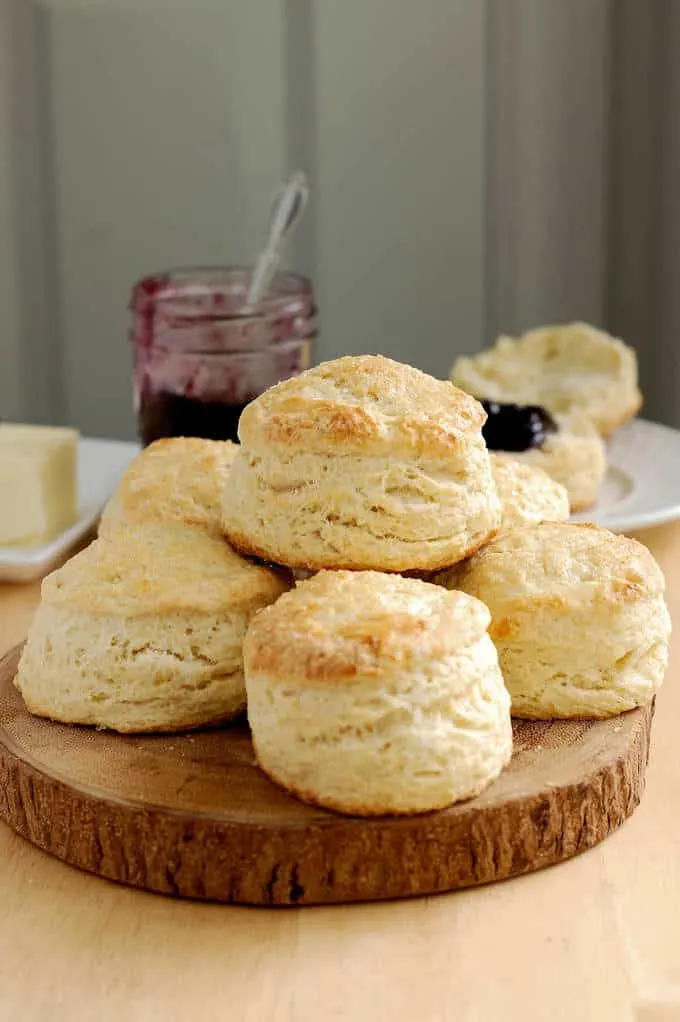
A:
x: 38, y: 488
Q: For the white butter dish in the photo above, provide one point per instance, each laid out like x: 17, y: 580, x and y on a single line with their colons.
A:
x: 101, y: 463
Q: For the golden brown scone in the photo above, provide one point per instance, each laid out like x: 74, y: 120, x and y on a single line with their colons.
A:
x: 177, y: 479
x: 143, y: 631
x: 575, y: 457
x: 373, y: 694
x: 578, y: 618
x: 527, y: 494
x: 570, y: 369
x: 361, y: 463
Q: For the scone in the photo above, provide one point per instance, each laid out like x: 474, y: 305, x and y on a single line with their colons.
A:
x: 571, y: 369
x: 574, y: 456
x: 144, y: 631
x: 179, y: 479
x: 578, y: 618
x: 527, y: 494
x: 373, y: 694
x: 361, y: 463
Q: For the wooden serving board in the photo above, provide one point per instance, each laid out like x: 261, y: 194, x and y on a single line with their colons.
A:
x: 192, y: 816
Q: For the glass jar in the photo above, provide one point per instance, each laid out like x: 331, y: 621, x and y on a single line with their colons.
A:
x: 198, y: 360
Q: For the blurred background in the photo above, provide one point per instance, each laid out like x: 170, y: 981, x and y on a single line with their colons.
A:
x: 477, y: 166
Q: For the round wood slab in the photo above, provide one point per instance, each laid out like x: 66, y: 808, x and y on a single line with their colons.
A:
x: 192, y: 815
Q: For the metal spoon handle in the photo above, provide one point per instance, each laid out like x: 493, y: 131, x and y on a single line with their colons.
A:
x: 289, y: 205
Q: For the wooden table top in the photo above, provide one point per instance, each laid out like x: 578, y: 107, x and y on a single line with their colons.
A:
x: 597, y: 938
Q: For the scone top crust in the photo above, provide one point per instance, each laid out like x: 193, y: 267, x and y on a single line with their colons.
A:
x: 361, y: 404
x: 340, y: 625
x: 161, y: 569
x: 174, y: 479
x: 558, y: 565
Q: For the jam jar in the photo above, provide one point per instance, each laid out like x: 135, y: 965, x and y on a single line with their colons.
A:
x: 200, y: 355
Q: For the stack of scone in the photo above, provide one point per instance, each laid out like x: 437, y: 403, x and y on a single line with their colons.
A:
x: 369, y: 693
x: 369, y: 689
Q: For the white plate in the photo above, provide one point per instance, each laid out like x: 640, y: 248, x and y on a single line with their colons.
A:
x: 642, y: 484
x: 641, y: 489
x: 101, y: 463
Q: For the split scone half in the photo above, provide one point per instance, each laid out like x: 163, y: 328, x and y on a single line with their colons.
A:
x: 574, y: 456
x: 570, y: 369
x: 144, y: 631
x: 578, y: 617
x: 374, y: 694
x: 361, y: 463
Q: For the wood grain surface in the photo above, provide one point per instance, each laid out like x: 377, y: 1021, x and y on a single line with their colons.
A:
x: 595, y: 939
x: 193, y: 816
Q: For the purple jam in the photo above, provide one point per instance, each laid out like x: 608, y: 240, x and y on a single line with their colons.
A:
x: 165, y: 414
x: 511, y: 427
x: 199, y: 360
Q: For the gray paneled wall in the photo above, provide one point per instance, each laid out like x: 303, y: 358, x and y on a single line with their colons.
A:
x: 477, y: 167
x: 644, y: 209
x: 168, y: 135
x: 28, y: 352
x: 169, y: 125
x: 548, y: 161
x: 400, y: 163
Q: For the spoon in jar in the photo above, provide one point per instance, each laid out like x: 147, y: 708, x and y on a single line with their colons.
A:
x: 289, y: 205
